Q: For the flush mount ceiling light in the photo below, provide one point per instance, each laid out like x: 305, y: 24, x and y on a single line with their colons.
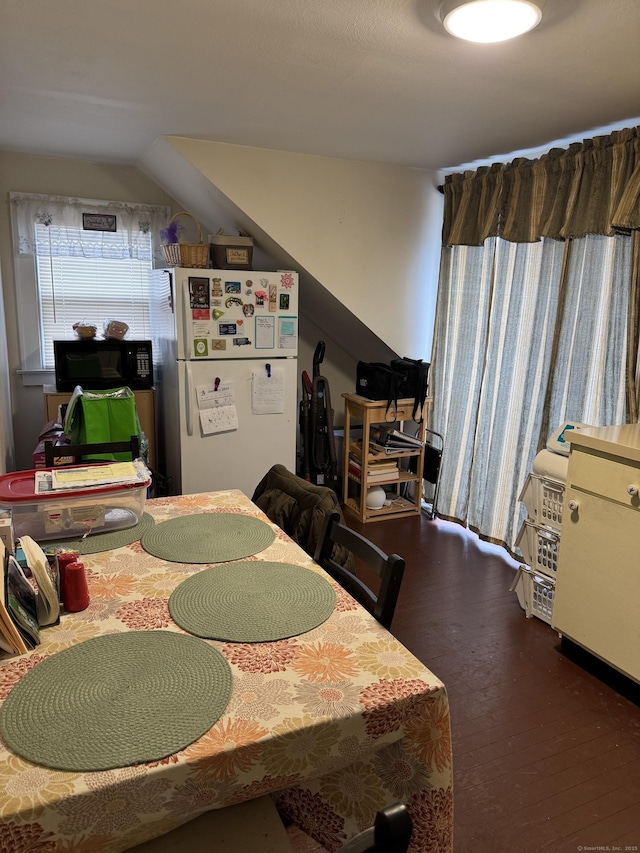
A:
x: 489, y: 20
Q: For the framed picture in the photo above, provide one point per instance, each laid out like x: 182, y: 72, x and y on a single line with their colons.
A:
x: 99, y: 222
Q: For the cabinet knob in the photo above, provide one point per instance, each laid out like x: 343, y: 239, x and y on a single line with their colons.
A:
x: 632, y: 490
x: 573, y: 505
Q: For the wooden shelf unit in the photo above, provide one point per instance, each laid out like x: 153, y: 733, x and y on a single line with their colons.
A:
x: 145, y: 406
x: 354, y: 488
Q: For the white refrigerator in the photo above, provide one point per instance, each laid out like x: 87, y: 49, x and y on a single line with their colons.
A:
x: 225, y: 347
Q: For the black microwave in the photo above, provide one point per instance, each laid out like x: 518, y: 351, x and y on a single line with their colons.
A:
x: 96, y: 364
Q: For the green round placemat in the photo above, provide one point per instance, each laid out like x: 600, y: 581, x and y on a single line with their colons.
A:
x: 97, y: 542
x: 208, y: 537
x: 116, y: 700
x: 252, y: 602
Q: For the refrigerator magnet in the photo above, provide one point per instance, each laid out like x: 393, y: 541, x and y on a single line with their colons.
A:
x: 216, y: 287
x: 261, y: 297
x: 218, y: 344
x: 227, y: 329
x: 217, y: 313
x: 248, y: 310
x: 200, y: 347
x: 230, y: 301
x: 199, y: 292
x: 241, y: 342
x: 273, y: 297
x: 287, y: 280
x: 232, y: 287
x: 284, y: 301
x: 201, y: 330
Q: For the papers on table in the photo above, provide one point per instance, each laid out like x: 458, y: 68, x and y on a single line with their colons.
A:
x: 90, y: 476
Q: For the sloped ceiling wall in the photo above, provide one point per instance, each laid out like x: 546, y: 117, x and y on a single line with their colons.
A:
x: 365, y: 236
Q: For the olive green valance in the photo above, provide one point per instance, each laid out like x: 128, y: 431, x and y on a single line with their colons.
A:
x: 592, y: 187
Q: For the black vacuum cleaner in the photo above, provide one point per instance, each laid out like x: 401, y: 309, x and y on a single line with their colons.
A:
x: 318, y: 459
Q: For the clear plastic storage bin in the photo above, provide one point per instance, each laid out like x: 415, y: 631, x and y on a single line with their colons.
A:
x: 70, y: 514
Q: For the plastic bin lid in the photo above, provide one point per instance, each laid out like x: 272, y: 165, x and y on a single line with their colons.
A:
x: 19, y: 487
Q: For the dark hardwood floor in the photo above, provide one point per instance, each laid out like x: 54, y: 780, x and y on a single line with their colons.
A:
x: 546, y: 739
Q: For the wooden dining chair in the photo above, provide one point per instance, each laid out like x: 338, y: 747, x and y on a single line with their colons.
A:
x: 53, y: 453
x: 388, y: 568
x: 390, y: 833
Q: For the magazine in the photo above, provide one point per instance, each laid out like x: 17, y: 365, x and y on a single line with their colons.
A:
x: 20, y: 605
x: 10, y: 638
x: 46, y: 576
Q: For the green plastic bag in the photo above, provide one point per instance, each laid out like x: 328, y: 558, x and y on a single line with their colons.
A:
x: 94, y: 417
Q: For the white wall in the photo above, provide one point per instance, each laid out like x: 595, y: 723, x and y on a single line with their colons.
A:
x: 26, y: 173
x: 369, y: 233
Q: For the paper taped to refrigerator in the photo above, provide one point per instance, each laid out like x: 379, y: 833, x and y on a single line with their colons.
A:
x: 217, y: 407
x: 220, y: 419
x: 287, y: 333
x: 267, y: 391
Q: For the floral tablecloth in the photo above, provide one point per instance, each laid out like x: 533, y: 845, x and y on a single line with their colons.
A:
x: 335, y: 723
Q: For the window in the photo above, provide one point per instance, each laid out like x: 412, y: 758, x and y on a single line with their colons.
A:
x: 69, y: 270
x: 92, y: 290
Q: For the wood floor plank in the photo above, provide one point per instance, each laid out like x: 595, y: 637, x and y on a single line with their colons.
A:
x: 546, y: 739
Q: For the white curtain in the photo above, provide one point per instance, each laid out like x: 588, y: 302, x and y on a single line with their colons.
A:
x: 67, y: 237
x: 527, y: 334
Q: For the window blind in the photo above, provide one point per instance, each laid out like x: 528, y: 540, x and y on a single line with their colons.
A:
x: 88, y: 288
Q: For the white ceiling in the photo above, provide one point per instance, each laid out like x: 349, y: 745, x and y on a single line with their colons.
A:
x: 375, y: 80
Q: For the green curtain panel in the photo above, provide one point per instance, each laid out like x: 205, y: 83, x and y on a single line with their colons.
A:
x: 592, y: 187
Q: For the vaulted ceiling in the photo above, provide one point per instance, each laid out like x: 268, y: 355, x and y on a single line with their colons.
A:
x: 376, y: 80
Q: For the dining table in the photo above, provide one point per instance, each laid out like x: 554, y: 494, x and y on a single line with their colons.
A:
x: 334, y: 723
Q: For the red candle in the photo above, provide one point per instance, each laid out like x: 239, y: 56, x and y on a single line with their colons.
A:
x: 64, y: 558
x: 76, y: 591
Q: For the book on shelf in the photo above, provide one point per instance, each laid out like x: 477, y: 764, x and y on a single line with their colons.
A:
x: 381, y: 469
x: 382, y: 477
x: 386, y: 437
x: 390, y: 450
x: 374, y: 464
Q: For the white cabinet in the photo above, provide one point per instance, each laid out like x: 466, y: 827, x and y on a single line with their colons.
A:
x: 597, y: 598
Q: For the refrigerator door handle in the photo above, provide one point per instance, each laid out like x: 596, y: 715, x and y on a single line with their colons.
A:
x: 186, y: 314
x: 188, y: 403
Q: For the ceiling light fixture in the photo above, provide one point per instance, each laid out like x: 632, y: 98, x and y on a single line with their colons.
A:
x: 489, y: 20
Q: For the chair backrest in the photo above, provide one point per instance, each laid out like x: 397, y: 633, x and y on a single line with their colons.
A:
x: 296, y: 506
x: 390, y: 833
x: 54, y: 453
x: 388, y: 568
